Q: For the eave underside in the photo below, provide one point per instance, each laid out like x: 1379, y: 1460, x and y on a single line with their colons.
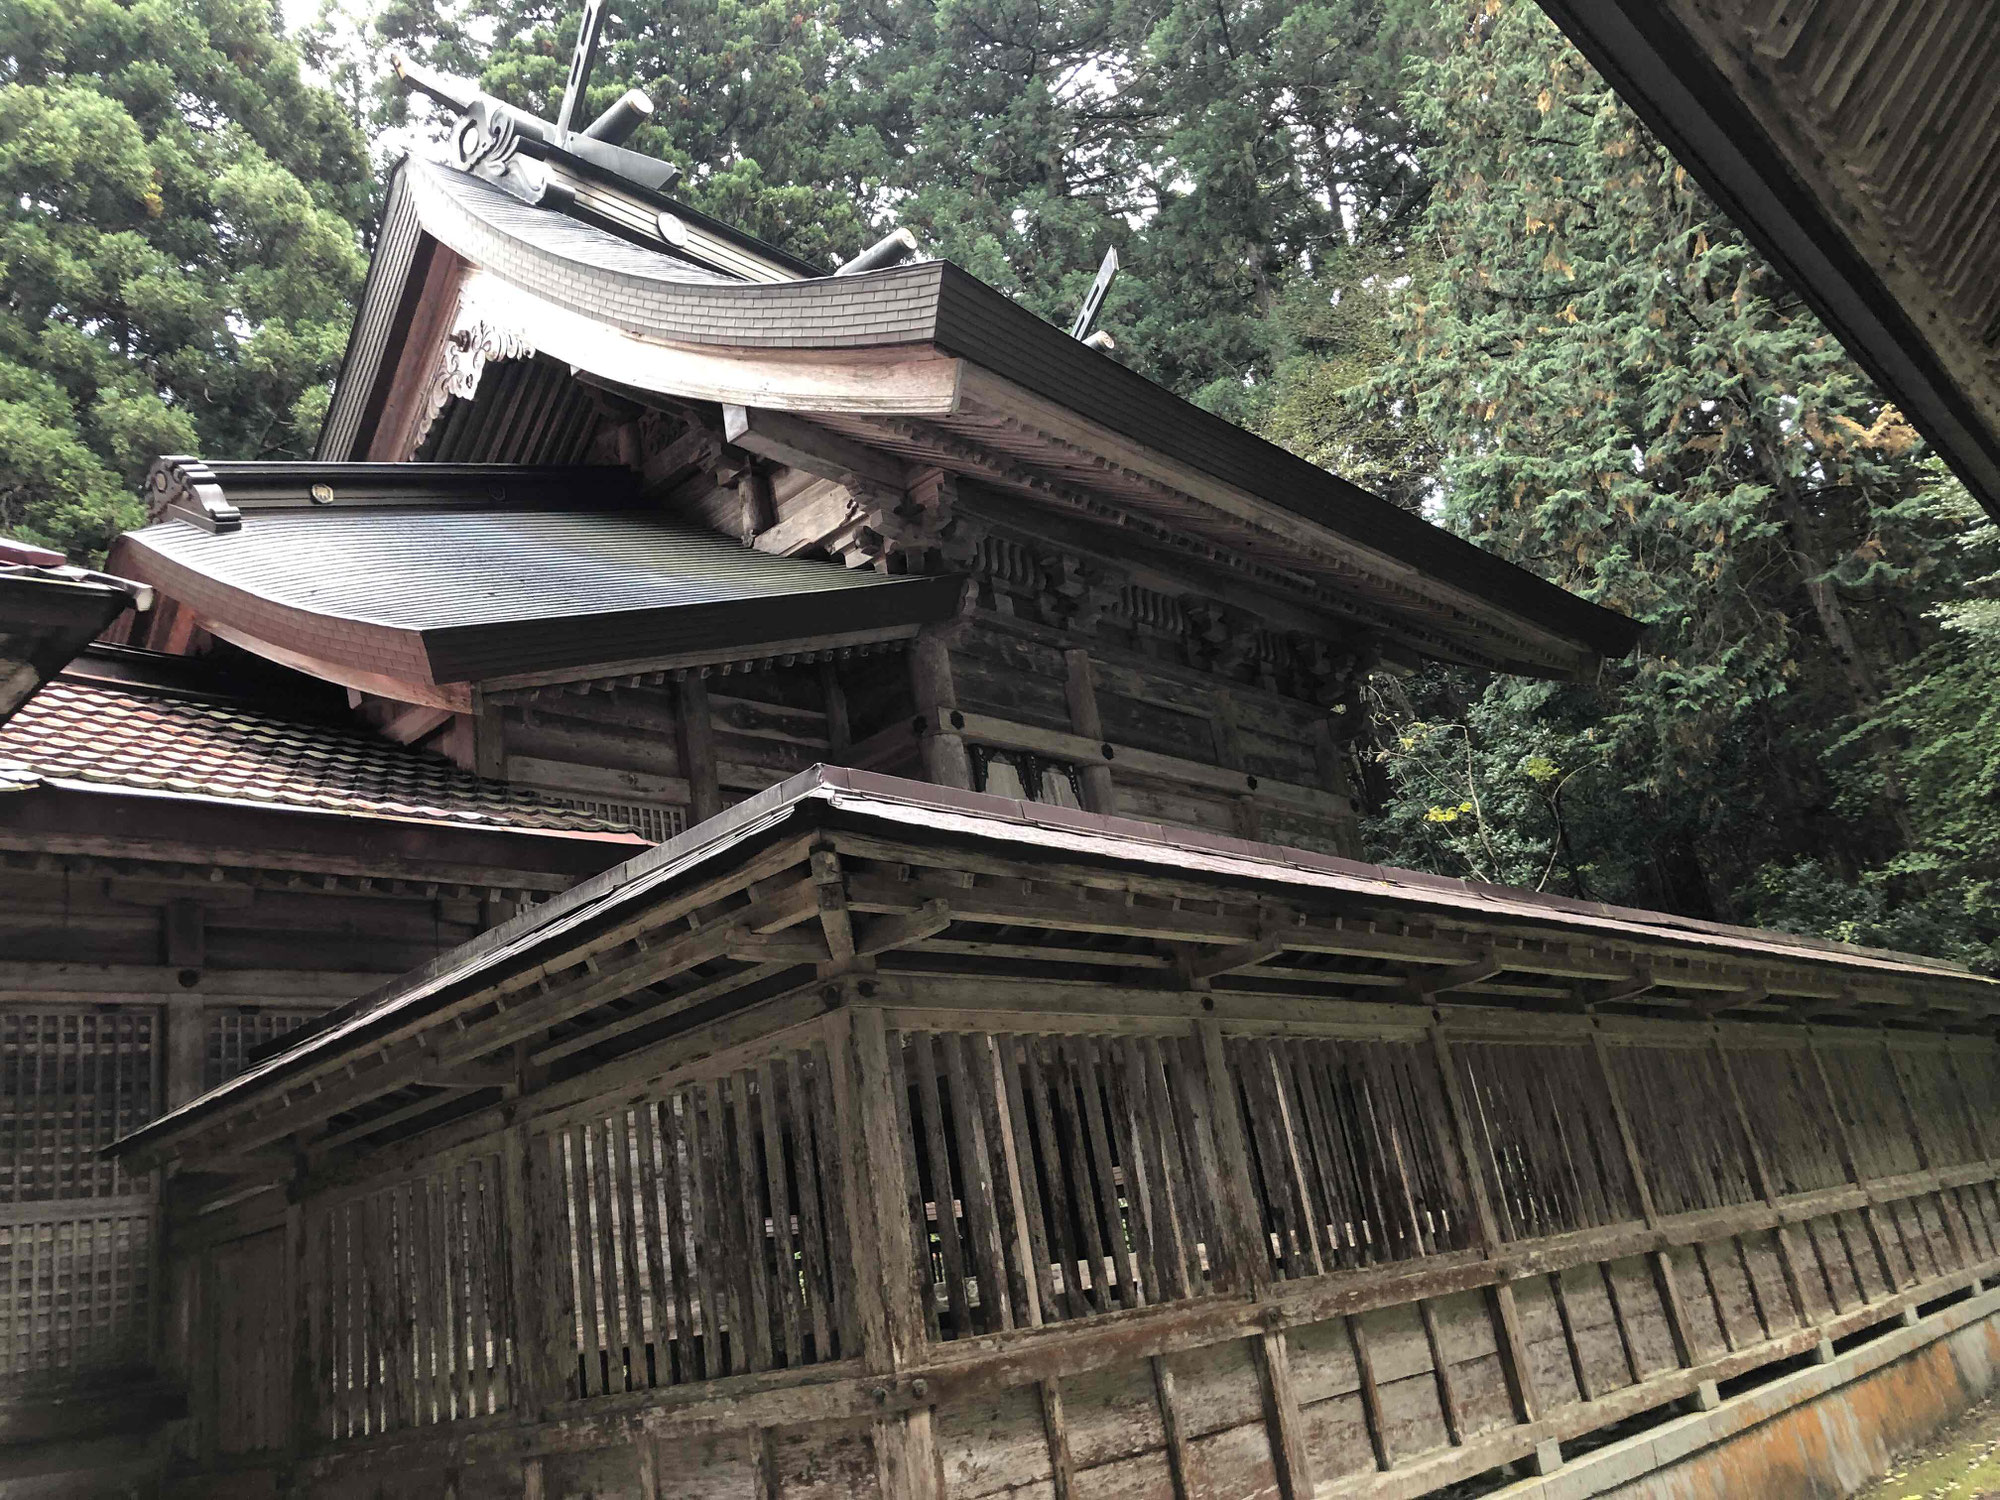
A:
x: 1854, y: 143
x: 804, y: 894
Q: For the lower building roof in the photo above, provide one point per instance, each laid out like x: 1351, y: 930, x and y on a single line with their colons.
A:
x: 118, y: 737
x: 1314, y: 904
x: 439, y: 593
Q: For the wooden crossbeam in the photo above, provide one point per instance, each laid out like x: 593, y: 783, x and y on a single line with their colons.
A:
x: 1238, y: 956
x: 1456, y: 977
x: 671, y: 1005
x: 884, y: 933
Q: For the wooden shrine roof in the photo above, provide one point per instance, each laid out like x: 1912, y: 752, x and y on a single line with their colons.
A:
x: 133, y: 757
x: 1854, y: 141
x: 926, y: 363
x: 995, y: 895
x: 49, y: 611
x: 488, y: 573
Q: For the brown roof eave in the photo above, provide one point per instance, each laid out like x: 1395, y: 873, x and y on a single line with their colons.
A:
x: 52, y: 815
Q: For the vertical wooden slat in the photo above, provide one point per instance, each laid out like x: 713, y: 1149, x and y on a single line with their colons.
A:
x: 582, y: 1198
x: 1371, y: 1394
x: 982, y: 1220
x: 1248, y: 1253
x: 983, y: 1065
x: 743, y: 1142
x: 795, y: 1075
x: 820, y: 1063
x: 698, y: 1127
x: 625, y: 1201
x: 1009, y: 1061
x: 1281, y: 1417
x: 890, y: 1293
x: 1170, y: 1422
x: 1055, y: 1432
x: 1441, y: 1373
x: 1133, y: 1138
x: 790, y: 1301
x: 666, y: 1332
x: 1083, y: 1057
x: 944, y: 1192
x: 906, y: 1128
x: 1069, y: 1295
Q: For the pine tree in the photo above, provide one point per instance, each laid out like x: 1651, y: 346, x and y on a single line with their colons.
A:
x: 177, y: 248
x: 1630, y: 402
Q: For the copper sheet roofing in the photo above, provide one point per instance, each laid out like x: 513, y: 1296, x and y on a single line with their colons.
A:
x: 895, y: 809
x: 455, y: 593
x: 629, y: 312
x: 128, y: 738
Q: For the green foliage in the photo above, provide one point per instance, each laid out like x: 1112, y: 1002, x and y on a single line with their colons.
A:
x: 1627, y: 400
x: 176, y: 246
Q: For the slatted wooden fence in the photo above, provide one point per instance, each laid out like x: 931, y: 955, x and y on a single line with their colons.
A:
x: 1457, y: 1242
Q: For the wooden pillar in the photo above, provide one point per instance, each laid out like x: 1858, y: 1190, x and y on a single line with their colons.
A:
x: 1099, y: 795
x: 489, y: 738
x: 542, y: 1378
x: 186, y: 1021
x: 1513, y: 1346
x: 945, y: 759
x: 697, y: 747
x: 839, y: 729
x: 888, y: 1289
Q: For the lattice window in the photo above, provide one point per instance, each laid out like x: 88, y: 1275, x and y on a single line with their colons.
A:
x: 73, y: 1290
x: 1056, y: 1176
x: 701, y: 1234
x: 1543, y: 1125
x: 235, y: 1033
x: 71, y: 1081
x: 1352, y: 1157
x: 415, y: 1326
x: 1789, y: 1116
x: 1685, y: 1124
x: 657, y: 821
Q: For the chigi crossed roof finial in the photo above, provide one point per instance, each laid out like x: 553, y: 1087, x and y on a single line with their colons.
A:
x: 513, y: 148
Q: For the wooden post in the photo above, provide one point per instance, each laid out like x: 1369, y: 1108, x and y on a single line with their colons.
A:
x: 887, y: 1287
x: 1170, y: 1424
x: 1099, y: 795
x: 1055, y: 1429
x: 945, y: 759
x: 839, y: 730
x: 1281, y: 1417
x: 304, y: 1299
x: 539, y: 1381
x: 1248, y: 1249
x: 186, y: 1021
x: 1513, y: 1347
x: 1333, y: 777
x: 697, y: 747
x: 489, y: 737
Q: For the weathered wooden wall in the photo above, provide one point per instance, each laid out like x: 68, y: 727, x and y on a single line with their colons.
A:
x: 902, y: 1250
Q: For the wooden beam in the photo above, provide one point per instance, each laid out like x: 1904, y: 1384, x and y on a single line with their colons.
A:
x: 881, y: 934
x: 1211, y: 964
x: 834, y: 919
x: 1457, y: 977
x: 1080, y: 690
x: 672, y: 1005
x: 697, y: 747
x: 788, y: 439
x: 945, y: 759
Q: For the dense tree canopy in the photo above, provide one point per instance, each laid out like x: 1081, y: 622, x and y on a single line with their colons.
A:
x: 177, y: 250
x: 1417, y: 241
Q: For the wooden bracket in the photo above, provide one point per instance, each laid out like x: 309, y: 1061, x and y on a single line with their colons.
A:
x: 1457, y: 977
x: 883, y: 933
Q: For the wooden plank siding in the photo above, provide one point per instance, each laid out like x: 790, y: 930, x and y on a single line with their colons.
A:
x: 1085, y: 1335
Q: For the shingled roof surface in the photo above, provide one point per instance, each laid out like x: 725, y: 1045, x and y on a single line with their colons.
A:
x: 122, y: 739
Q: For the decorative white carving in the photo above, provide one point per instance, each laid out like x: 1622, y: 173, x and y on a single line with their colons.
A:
x: 476, y: 338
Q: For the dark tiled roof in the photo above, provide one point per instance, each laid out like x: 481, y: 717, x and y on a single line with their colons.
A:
x: 456, y: 595
x: 127, y: 739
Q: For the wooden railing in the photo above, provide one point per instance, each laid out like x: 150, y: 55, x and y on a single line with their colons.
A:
x: 1353, y: 1263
